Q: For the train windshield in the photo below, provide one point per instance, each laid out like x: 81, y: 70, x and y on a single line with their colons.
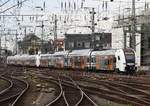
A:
x: 130, y: 56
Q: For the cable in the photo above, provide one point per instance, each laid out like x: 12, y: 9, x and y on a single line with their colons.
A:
x: 121, y: 1
x: 13, y: 6
x: 4, y: 3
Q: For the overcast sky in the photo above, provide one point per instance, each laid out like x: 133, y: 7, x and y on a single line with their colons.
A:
x: 55, y: 5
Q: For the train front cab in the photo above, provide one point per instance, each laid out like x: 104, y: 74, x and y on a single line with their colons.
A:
x: 125, y: 60
x: 130, y: 60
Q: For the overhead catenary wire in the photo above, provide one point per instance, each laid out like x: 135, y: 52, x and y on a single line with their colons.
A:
x: 4, y: 3
x: 13, y: 6
x: 122, y: 1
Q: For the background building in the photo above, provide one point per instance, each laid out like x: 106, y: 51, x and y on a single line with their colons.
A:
x: 31, y: 44
x: 84, y: 41
x: 59, y: 44
x: 122, y: 32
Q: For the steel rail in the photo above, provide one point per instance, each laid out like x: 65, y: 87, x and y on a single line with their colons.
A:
x: 58, y: 97
x: 21, y: 94
x: 134, y: 100
x: 13, y: 95
x: 83, y: 94
x: 8, y: 88
x: 106, y: 95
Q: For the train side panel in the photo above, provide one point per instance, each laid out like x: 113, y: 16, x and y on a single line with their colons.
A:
x: 78, y: 59
x: 104, y: 60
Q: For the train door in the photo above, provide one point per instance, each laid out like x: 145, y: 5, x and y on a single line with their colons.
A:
x: 38, y: 60
x: 87, y: 63
x: 110, y: 63
x: 103, y: 63
x: 69, y: 62
x: 46, y: 61
x: 82, y: 58
x: 65, y: 61
x: 50, y: 61
x: 72, y: 62
x: 77, y: 62
x: 57, y: 62
x: 62, y: 61
x: 93, y: 62
x: 97, y: 62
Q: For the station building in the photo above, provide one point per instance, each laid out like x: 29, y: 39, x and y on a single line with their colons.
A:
x: 31, y: 44
x: 80, y: 40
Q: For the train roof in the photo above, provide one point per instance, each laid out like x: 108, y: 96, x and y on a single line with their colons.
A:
x: 22, y: 57
x: 104, y: 52
x: 45, y: 55
x: 83, y: 52
x: 60, y: 53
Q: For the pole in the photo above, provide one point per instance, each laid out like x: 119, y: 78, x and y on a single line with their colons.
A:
x: 93, y: 28
x: 133, y: 27
x: 0, y: 41
x: 5, y: 41
x: 42, y: 36
x: 55, y: 34
x: 125, y: 40
x: 25, y: 31
x: 16, y: 42
x: 25, y: 43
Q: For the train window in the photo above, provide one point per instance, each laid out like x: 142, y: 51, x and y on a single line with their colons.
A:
x: 93, y: 60
x: 105, y: 62
x: 71, y: 60
x: 108, y: 62
x: 78, y: 59
x: 148, y: 42
x: 118, y: 57
x: 88, y: 60
x: 65, y: 59
x: 114, y: 59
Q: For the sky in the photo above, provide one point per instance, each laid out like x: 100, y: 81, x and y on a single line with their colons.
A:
x: 55, y: 6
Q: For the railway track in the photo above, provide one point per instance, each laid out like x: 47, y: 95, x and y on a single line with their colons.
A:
x: 117, y: 88
x: 10, y: 85
x: 117, y: 92
x: 71, y: 94
x: 60, y: 99
x: 12, y: 95
x: 75, y: 99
